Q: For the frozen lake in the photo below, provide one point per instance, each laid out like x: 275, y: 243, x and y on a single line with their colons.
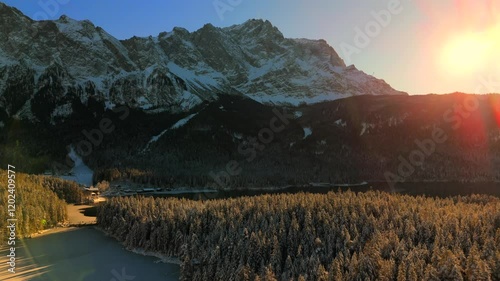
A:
x: 83, y: 254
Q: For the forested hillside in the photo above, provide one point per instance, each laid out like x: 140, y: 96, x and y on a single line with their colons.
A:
x: 40, y: 202
x: 67, y: 190
x: 337, y: 236
x: 349, y: 140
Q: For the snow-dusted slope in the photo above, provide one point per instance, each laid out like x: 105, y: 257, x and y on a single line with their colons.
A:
x: 177, y: 125
x: 61, y: 61
x: 80, y: 173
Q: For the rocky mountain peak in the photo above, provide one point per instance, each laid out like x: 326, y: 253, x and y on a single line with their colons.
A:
x: 174, y: 71
x: 12, y: 21
x: 208, y: 32
x: 180, y: 31
x: 64, y: 18
x: 7, y: 11
x: 208, y: 26
x: 256, y: 28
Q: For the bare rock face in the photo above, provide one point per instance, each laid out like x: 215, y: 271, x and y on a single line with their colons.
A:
x: 45, y: 66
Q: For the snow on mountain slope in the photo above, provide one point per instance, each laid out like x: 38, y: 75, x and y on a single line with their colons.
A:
x: 307, y: 132
x: 177, y: 125
x: 80, y: 173
x: 67, y: 60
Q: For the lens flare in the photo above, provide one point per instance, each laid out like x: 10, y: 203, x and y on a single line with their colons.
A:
x: 470, y: 52
x: 465, y: 54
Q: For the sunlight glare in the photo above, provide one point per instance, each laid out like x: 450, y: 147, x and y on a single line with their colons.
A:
x: 467, y: 53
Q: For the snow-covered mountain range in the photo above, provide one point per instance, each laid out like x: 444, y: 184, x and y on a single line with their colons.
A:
x: 47, y: 66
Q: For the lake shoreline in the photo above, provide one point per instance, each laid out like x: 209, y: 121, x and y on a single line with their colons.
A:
x: 164, y: 258
x: 430, y: 188
x: 83, y: 253
x: 187, y: 190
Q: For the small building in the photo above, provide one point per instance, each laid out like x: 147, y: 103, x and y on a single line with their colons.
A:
x: 91, y: 194
x: 90, y: 190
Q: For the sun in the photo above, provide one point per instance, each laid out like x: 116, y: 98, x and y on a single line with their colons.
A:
x: 466, y: 54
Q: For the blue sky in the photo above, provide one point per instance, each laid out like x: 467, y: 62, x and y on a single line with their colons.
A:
x: 407, y: 50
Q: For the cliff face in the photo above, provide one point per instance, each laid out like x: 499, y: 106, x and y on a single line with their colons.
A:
x: 46, y: 66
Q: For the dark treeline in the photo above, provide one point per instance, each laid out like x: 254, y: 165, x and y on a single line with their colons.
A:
x: 69, y: 191
x: 337, y: 236
x: 37, y: 207
x: 353, y: 139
